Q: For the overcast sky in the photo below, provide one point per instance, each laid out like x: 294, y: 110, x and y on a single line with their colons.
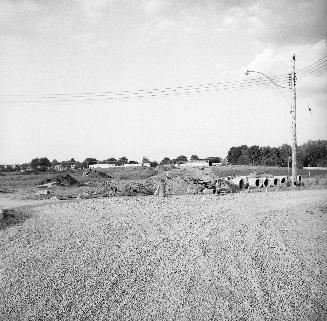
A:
x: 57, y: 46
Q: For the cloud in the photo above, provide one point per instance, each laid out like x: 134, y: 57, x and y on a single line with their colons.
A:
x: 277, y: 60
x: 278, y: 21
x: 153, y: 7
x: 93, y: 10
x: 241, y: 21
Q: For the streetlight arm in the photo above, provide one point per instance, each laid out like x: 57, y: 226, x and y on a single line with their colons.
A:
x: 261, y: 73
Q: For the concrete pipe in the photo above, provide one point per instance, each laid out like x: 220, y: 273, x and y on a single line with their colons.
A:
x: 254, y: 181
x: 240, y: 182
x: 273, y: 181
x: 270, y: 182
x: 281, y: 179
x: 208, y: 191
x: 265, y: 182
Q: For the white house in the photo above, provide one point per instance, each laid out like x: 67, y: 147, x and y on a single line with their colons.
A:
x: 196, y: 163
x: 101, y: 166
x: 132, y: 165
x: 59, y: 168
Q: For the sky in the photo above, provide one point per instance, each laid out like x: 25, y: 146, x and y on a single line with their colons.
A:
x: 95, y: 46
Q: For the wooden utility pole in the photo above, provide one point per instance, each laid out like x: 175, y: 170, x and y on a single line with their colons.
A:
x: 293, y: 112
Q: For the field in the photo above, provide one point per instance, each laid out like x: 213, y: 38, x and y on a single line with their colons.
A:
x: 251, y: 255
x: 95, y: 184
x: 243, y: 256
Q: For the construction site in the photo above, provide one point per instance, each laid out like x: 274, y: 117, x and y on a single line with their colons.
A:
x: 163, y: 160
x: 143, y: 243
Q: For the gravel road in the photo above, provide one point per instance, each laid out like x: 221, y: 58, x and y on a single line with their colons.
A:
x: 246, y: 256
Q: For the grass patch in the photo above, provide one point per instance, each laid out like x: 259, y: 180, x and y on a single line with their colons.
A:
x: 15, y: 216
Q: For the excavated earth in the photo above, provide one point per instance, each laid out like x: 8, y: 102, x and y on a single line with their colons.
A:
x: 244, y: 256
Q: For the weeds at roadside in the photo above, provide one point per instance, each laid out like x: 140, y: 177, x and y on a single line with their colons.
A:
x: 13, y: 217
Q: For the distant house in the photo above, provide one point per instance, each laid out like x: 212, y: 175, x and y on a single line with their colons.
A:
x: 10, y: 168
x: 93, y: 166
x: 146, y: 164
x: 59, y: 168
x: 196, y: 163
x: 132, y: 165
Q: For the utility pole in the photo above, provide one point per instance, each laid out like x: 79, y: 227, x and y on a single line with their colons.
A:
x: 293, y: 112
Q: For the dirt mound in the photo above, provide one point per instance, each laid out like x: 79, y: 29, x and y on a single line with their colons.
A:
x: 133, y: 173
x: 62, y: 180
x: 66, y: 180
x: 96, y: 174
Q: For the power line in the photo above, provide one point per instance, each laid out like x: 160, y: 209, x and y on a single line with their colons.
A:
x: 189, y: 90
x: 313, y: 66
x: 279, y: 78
x: 142, y: 93
x: 313, y: 71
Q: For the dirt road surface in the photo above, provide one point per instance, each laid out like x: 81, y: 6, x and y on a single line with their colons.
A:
x: 246, y: 256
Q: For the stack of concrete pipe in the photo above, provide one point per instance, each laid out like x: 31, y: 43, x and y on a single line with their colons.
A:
x: 281, y: 180
x: 240, y: 181
x: 257, y: 181
x: 247, y: 181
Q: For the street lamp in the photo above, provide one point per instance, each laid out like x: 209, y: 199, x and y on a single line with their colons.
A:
x: 293, y: 112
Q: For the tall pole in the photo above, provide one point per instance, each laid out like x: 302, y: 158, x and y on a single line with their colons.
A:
x: 293, y: 112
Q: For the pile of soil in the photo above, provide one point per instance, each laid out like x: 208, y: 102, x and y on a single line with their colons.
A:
x: 97, y: 174
x: 134, y: 173
x: 137, y: 188
x: 62, y: 180
x: 66, y: 180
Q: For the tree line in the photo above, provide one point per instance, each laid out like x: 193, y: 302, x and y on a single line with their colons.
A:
x: 312, y: 153
x: 44, y: 164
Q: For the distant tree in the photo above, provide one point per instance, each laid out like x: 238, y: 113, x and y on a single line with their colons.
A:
x: 111, y: 160
x: 181, y: 159
x: 214, y: 159
x: 40, y: 164
x: 54, y: 162
x: 285, y: 152
x: 238, y: 155
x: 145, y: 160
x: 132, y: 162
x: 78, y: 165
x: 275, y: 156
x: 264, y: 154
x: 44, y: 162
x: 35, y: 163
x: 166, y: 161
x: 122, y: 160
x: 194, y: 157
x: 24, y: 166
x: 254, y: 155
x: 322, y: 162
x: 313, y: 153
x: 89, y: 161
x: 153, y: 164
x: 244, y: 157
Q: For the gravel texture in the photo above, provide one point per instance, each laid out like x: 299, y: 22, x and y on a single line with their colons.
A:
x: 245, y: 256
